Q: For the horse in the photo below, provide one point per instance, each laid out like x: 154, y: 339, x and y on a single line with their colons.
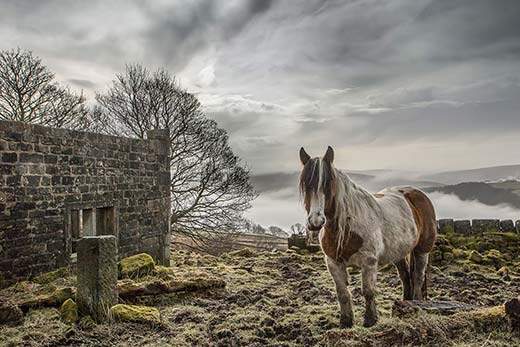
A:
x: 356, y: 228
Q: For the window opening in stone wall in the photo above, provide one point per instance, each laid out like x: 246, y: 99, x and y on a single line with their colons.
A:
x: 91, y: 222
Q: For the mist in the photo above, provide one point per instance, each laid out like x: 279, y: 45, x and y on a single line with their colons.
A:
x: 282, y: 208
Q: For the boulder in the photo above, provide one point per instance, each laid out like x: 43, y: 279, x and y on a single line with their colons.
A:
x: 10, y: 313
x: 135, y: 314
x: 52, y: 276
x: 69, y: 312
x: 136, y: 266
x: 54, y: 299
x: 475, y: 257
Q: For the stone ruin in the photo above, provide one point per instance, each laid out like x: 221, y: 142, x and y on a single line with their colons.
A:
x: 59, y: 185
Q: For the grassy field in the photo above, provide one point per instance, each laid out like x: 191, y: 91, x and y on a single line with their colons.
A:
x: 286, y: 299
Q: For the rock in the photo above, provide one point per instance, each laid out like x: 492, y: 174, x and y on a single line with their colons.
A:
x: 504, y: 270
x: 403, y: 308
x: 52, y: 276
x: 494, y: 257
x: 475, y: 257
x: 446, y: 226
x: 244, y: 252
x: 486, y: 319
x: 154, y: 286
x: 485, y: 225
x: 136, y: 266
x: 54, y: 299
x: 10, y: 313
x: 69, y: 312
x: 507, y: 226
x: 135, y: 314
x: 462, y: 227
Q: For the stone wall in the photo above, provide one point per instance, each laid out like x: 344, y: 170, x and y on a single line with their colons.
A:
x: 478, y: 226
x: 57, y: 185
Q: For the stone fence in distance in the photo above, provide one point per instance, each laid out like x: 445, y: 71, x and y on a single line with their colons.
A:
x: 478, y: 226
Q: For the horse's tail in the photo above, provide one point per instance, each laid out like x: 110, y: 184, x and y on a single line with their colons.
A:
x: 424, y: 288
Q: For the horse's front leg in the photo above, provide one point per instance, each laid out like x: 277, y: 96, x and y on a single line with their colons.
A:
x: 339, y: 274
x: 369, y: 281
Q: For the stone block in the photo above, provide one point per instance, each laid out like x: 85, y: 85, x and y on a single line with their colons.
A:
x: 462, y: 227
x: 97, y: 276
x: 507, y: 226
x: 482, y: 225
x: 446, y: 225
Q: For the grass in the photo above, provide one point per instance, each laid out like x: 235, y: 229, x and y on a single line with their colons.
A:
x: 284, y: 299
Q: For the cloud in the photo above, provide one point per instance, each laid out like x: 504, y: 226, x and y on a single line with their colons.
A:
x: 413, y: 84
x: 281, y: 208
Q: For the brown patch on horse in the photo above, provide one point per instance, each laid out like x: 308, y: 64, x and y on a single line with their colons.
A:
x: 379, y: 196
x: 424, y: 216
x: 329, y: 244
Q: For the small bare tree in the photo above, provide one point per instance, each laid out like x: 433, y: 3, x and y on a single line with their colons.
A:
x: 210, y: 187
x: 29, y: 94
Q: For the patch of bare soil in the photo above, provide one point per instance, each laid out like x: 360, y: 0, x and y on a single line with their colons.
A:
x: 287, y: 299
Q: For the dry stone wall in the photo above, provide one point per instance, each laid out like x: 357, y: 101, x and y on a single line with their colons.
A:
x: 478, y: 226
x: 48, y: 175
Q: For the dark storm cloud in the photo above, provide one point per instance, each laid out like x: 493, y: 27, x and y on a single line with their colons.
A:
x: 366, y: 74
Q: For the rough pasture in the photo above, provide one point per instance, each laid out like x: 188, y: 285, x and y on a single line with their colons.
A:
x: 285, y: 299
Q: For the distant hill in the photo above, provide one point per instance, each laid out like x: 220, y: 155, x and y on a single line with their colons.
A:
x: 273, y: 182
x: 480, y: 191
x: 493, y: 173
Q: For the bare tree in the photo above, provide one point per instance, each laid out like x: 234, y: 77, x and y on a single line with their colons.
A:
x: 210, y: 187
x: 29, y: 94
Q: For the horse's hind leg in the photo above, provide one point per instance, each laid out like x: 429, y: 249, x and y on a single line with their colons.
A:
x: 420, y: 261
x: 340, y: 276
x: 368, y: 287
x: 403, y: 267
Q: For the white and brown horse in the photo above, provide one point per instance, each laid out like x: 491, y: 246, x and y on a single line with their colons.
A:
x: 356, y: 228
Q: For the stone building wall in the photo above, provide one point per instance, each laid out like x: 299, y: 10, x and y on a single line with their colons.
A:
x: 57, y: 185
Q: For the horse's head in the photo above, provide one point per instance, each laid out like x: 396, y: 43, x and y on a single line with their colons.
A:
x: 317, y: 188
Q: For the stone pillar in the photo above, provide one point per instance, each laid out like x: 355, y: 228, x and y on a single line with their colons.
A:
x: 97, y: 276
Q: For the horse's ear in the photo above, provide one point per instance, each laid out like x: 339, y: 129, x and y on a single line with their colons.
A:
x: 304, y: 157
x: 329, y: 155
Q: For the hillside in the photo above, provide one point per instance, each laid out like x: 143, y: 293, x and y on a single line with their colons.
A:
x: 493, y: 173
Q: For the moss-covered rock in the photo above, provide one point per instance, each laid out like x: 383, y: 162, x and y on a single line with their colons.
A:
x: 475, y: 257
x: 487, y: 319
x: 136, y: 266
x: 52, y: 276
x: 54, y: 299
x: 69, y: 312
x: 494, y: 257
x: 244, y: 252
x: 135, y: 314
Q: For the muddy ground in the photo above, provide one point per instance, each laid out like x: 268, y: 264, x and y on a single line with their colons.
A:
x: 285, y: 299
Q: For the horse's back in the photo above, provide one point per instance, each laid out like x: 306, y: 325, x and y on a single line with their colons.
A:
x: 423, y: 214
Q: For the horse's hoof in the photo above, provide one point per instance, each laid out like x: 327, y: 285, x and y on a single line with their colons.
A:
x: 345, y: 323
x: 370, y: 321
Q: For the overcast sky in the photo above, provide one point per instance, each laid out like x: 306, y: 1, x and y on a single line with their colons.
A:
x: 414, y: 85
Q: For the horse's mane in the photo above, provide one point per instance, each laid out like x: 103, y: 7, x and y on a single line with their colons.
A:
x: 351, y: 201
